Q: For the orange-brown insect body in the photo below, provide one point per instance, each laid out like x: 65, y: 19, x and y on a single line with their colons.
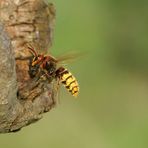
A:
x: 41, y: 65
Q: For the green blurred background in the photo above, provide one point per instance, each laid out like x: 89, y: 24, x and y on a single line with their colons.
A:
x: 111, y: 110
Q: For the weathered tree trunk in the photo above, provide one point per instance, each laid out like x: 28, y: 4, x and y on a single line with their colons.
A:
x: 22, y: 99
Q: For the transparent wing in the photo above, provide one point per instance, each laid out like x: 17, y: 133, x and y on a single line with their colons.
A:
x: 55, y: 91
x: 68, y: 58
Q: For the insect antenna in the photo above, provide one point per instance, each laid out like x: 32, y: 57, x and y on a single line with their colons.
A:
x: 32, y: 50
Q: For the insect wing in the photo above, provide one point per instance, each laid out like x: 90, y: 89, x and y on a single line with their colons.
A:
x: 56, y: 91
x: 68, y: 58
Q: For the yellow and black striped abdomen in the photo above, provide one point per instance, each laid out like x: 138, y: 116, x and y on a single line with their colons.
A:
x: 68, y: 80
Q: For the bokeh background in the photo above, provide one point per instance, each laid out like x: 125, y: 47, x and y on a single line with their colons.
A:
x: 112, y: 108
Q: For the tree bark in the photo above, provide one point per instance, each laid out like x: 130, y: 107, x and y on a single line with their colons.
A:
x: 22, y: 99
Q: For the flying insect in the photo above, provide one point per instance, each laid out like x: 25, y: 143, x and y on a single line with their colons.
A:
x: 46, y: 66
